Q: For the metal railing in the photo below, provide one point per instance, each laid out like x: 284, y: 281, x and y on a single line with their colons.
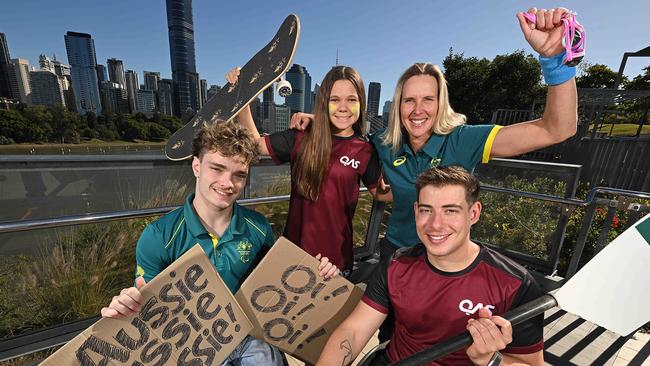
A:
x: 53, y: 336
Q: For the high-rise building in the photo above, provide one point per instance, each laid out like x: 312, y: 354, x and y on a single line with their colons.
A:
x: 102, y: 74
x: 115, y: 98
x: 45, y: 63
x: 308, y: 96
x: 268, y: 123
x: 68, y: 93
x: 213, y: 90
x: 62, y: 72
x: 181, y: 48
x: 146, y: 102
x: 267, y: 102
x: 314, y: 95
x: 374, y: 124
x: 256, y: 111
x: 282, y: 117
x: 116, y: 71
x: 151, y: 80
x: 166, y: 96
x: 80, y: 48
x: 385, y: 113
x: 5, y: 69
x: 45, y: 88
x: 60, y: 69
x: 20, y: 79
x: 204, y: 92
x: 132, y: 87
x: 374, y: 91
x: 300, y: 82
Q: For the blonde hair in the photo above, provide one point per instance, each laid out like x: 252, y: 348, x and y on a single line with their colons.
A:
x: 229, y: 139
x: 314, y: 155
x: 446, y: 119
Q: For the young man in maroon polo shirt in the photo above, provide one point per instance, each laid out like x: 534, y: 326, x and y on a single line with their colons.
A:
x: 443, y: 286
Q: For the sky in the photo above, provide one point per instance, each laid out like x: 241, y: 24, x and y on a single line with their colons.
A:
x: 379, y: 38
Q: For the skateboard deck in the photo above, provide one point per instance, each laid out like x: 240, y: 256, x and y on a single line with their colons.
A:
x: 259, y: 73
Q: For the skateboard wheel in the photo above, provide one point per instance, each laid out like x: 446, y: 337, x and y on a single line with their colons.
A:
x: 284, y: 88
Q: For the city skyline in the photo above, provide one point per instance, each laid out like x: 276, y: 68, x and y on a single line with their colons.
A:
x: 380, y: 41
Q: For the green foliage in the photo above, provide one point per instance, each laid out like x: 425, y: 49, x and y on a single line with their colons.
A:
x: 75, y: 274
x: 171, y: 123
x: 73, y: 279
x: 155, y: 131
x: 640, y: 82
x: 57, y: 124
x: 596, y: 76
x: 276, y: 213
x: 477, y: 87
x: 13, y: 125
x: 517, y: 223
x: 129, y: 128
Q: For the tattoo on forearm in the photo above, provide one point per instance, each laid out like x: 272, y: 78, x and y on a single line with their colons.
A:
x: 347, y: 350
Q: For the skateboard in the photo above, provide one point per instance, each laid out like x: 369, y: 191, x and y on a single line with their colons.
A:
x: 260, y: 72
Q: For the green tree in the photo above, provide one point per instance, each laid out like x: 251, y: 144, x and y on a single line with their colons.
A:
x: 130, y: 129
x: 156, y: 131
x: 640, y: 82
x: 140, y: 117
x: 514, y: 82
x: 91, y: 120
x: 478, y: 87
x: 42, y: 117
x: 13, y: 125
x: 171, y: 123
x: 65, y: 125
x: 465, y: 80
x: 596, y: 76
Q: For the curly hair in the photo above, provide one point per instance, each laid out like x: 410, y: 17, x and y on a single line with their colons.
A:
x: 450, y: 175
x: 228, y: 139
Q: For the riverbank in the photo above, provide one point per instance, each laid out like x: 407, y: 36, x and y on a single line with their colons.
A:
x: 89, y: 147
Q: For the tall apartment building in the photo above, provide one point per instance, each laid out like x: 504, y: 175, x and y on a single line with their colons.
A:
x: 80, y: 48
x: 181, y: 49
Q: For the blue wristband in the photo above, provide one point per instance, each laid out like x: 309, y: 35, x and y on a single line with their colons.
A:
x: 555, y: 71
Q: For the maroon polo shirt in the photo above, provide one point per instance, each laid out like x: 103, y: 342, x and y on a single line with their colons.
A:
x: 325, y: 225
x: 431, y: 306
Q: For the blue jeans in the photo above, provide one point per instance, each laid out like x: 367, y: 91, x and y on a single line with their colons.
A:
x: 253, y: 352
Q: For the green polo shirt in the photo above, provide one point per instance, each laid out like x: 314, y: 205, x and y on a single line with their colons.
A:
x: 166, y: 239
x: 465, y: 146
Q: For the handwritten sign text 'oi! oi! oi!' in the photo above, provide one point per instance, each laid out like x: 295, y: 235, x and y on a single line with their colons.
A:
x: 290, y: 305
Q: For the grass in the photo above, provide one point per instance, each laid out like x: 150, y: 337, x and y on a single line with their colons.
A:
x: 622, y: 129
x: 73, y: 275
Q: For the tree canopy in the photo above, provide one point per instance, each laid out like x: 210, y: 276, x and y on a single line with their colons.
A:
x: 57, y: 124
x: 478, y: 87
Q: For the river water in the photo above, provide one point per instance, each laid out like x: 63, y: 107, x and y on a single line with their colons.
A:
x: 36, y: 187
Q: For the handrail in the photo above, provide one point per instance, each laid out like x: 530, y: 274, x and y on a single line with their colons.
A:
x: 42, y: 339
x: 25, y: 225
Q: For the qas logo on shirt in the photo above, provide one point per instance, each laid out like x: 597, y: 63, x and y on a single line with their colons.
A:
x: 244, y: 249
x: 468, y: 307
x: 345, y: 160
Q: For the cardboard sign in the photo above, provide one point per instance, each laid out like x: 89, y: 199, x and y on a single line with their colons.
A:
x: 291, y: 306
x: 189, y: 317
